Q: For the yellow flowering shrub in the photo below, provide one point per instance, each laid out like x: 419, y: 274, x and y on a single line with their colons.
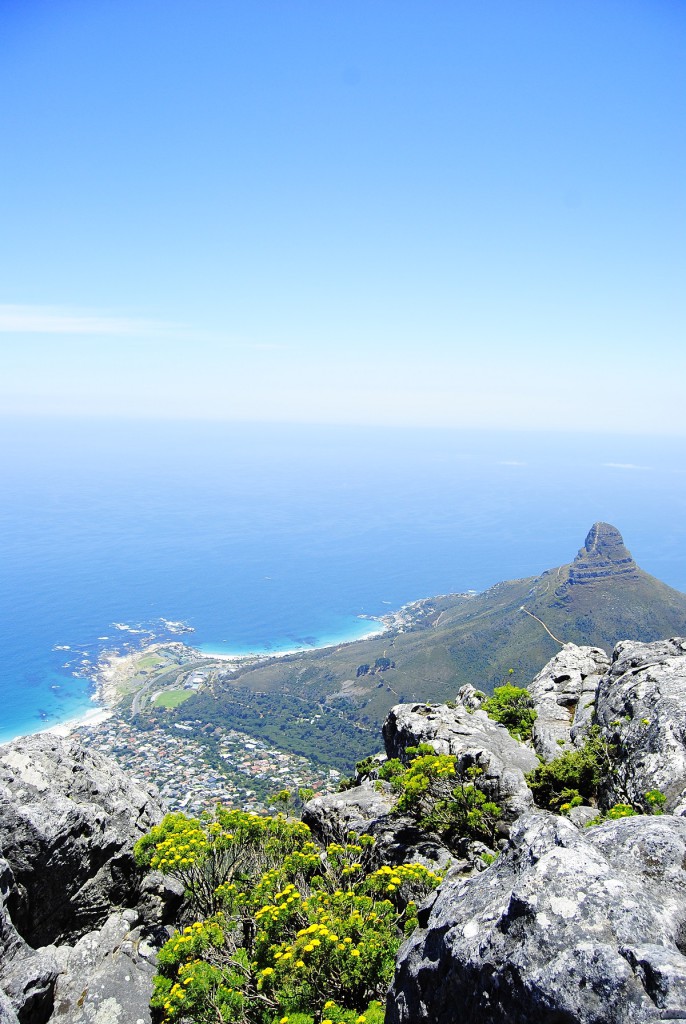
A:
x: 214, y: 850
x: 296, y: 934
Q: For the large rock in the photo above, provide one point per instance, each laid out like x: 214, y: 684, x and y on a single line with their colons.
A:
x: 107, y: 976
x: 368, y: 810
x: 27, y: 976
x: 641, y: 708
x: 603, y: 556
x: 566, y: 927
x: 451, y: 731
x: 399, y: 840
x: 564, y: 694
x: 475, y: 740
x: 333, y: 816
x: 7, y: 1014
x: 68, y: 821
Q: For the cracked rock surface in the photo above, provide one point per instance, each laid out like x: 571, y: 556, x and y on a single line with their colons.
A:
x: 70, y: 951
x: 641, y: 708
x: 566, y: 927
x: 564, y: 695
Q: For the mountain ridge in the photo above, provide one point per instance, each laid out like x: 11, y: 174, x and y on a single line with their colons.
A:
x: 601, y: 597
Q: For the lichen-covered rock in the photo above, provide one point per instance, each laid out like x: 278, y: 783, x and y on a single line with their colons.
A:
x: 333, y: 816
x: 452, y: 731
x: 475, y: 740
x: 7, y: 1014
x: 399, y: 840
x: 564, y: 694
x: 27, y: 976
x: 68, y: 822
x: 367, y: 809
x: 107, y: 975
x: 641, y: 708
x: 29, y: 981
x: 566, y: 927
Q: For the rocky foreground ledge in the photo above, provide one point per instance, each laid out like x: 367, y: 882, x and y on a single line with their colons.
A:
x: 79, y: 922
x: 569, y: 925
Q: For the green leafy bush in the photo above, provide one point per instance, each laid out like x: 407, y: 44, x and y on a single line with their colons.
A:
x: 574, y: 776
x: 513, y: 707
x: 620, y: 811
x: 655, y: 801
x: 443, y: 797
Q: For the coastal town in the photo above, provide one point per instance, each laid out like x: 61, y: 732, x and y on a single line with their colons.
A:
x: 192, y: 778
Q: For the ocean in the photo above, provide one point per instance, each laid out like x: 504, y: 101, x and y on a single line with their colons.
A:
x: 272, y: 537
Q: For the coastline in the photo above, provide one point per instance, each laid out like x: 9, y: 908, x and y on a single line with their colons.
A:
x: 96, y: 716
x: 242, y: 656
x: 114, y: 669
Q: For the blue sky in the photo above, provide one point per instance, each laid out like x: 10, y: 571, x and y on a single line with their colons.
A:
x: 393, y: 212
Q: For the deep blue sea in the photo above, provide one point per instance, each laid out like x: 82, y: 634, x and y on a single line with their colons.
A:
x: 275, y: 537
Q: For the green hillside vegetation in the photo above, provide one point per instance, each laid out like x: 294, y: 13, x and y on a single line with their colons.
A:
x: 484, y: 639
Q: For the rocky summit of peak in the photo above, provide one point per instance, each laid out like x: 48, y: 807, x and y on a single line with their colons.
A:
x: 603, y: 555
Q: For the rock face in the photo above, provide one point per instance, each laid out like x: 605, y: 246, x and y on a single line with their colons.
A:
x: 331, y: 817
x: 564, y: 694
x: 566, y: 927
x: 603, y: 556
x: 452, y: 731
x: 366, y: 810
x: 475, y: 740
x: 107, y: 975
x: 28, y: 976
x: 641, y: 708
x: 68, y: 822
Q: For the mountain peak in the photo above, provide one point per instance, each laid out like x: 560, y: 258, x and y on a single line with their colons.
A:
x: 603, y: 555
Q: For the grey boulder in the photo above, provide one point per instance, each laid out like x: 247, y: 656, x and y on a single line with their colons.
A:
x: 333, y: 816
x: 475, y: 740
x: 566, y: 927
x: 641, y: 708
x: 107, y: 975
x: 368, y: 810
x: 68, y: 821
x: 564, y: 694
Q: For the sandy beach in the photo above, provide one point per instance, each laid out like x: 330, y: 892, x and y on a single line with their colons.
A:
x: 94, y: 717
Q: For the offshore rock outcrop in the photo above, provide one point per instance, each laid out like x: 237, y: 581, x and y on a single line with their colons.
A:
x: 567, y: 927
x: 68, y: 822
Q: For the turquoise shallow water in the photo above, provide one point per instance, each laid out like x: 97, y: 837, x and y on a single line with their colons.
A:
x: 278, y: 538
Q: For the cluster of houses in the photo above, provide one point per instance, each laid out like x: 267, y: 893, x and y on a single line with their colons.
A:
x: 246, y: 772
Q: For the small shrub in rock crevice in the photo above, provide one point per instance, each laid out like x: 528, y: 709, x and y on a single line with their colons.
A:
x: 512, y: 707
x: 442, y: 796
x: 574, y: 776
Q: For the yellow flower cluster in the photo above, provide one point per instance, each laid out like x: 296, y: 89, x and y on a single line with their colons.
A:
x: 180, y: 850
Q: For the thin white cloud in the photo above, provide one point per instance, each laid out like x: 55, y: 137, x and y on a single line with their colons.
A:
x: 15, y: 319
x: 60, y: 320
x: 623, y: 465
x: 510, y: 462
